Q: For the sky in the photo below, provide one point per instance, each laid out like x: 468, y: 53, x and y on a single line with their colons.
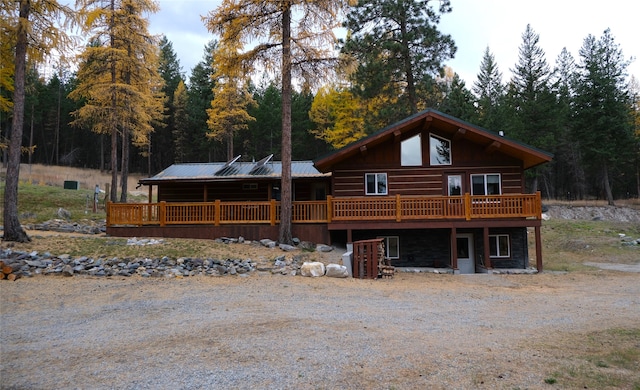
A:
x: 473, y: 24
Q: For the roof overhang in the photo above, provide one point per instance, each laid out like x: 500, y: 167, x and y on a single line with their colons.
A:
x: 455, y: 128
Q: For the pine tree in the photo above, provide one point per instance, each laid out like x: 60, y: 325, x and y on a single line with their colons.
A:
x: 398, y: 51
x: 489, y: 92
x: 200, y: 94
x: 165, y: 132
x: 603, y: 121
x: 282, y: 33
x: 181, y: 128
x: 458, y: 100
x: 531, y: 103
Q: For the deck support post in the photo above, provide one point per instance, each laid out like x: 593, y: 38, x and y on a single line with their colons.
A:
x: 162, y: 213
x: 454, y: 249
x: 272, y: 212
x: 538, y: 248
x: 487, y: 252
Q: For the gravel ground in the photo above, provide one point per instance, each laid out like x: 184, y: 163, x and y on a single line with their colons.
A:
x: 284, y: 332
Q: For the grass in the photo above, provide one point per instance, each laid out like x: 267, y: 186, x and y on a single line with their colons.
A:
x: 568, y: 244
x: 607, y: 359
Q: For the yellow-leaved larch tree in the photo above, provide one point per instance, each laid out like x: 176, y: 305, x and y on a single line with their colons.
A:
x: 30, y: 30
x: 228, y: 113
x: 295, y: 36
x: 118, y: 79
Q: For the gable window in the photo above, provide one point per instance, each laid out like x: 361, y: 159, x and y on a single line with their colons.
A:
x: 376, y: 183
x: 488, y: 184
x: 499, y: 245
x: 411, y: 151
x: 391, y: 247
x: 439, y: 150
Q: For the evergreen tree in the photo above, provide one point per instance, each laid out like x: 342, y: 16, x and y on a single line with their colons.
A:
x: 263, y: 135
x: 200, y: 95
x: 570, y: 176
x: 603, y: 121
x: 458, y: 100
x: 398, y: 51
x: 181, y: 128
x: 489, y: 93
x: 164, y: 133
x: 531, y: 104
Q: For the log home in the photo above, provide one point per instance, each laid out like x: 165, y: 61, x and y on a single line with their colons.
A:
x: 441, y: 192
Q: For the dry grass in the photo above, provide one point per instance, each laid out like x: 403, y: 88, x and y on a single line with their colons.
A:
x: 57, y: 175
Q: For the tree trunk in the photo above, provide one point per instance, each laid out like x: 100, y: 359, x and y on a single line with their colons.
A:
x: 114, y: 125
x: 125, y: 165
x: 285, y: 185
x: 607, y: 185
x: 12, y: 229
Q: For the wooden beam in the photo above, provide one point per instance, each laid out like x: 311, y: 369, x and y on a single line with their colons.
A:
x: 363, y: 150
x: 538, y: 249
x: 486, y: 251
x: 396, y: 136
x: 460, y: 133
x: 427, y: 123
x: 492, y: 147
x: 454, y: 249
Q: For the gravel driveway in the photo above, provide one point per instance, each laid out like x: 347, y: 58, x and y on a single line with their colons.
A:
x: 283, y: 332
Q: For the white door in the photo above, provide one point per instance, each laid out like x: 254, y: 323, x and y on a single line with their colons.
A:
x: 464, y: 248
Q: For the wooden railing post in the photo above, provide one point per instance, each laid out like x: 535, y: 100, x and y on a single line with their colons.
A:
x: 162, y: 213
x: 398, y: 208
x: 108, y: 210
x: 538, y: 205
x: 272, y: 212
x: 216, y: 212
x: 467, y: 206
x: 329, y: 208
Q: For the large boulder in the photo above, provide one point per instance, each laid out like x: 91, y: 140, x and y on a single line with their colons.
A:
x: 337, y: 271
x: 313, y: 269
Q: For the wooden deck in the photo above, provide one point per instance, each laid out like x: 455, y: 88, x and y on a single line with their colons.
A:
x: 361, y: 209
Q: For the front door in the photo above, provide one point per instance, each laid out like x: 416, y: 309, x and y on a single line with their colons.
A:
x: 464, y: 248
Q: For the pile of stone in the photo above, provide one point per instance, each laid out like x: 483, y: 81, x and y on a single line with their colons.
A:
x: 26, y: 264
x: 85, y: 226
x: 35, y: 263
x: 628, y: 241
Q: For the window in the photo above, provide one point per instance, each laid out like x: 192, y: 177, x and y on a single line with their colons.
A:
x: 411, y: 151
x: 439, y: 150
x: 499, y: 245
x: 455, y: 185
x: 249, y: 186
x: 485, y: 184
x: 376, y: 183
x: 391, y: 247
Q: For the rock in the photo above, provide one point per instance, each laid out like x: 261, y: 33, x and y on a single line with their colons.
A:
x: 268, y: 243
x: 62, y: 213
x: 313, y: 269
x: 307, y: 246
x: 337, y: 271
x: 324, y: 248
x: 67, y: 270
x: 287, y: 248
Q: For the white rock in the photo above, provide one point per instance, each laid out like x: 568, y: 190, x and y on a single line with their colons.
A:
x: 337, y: 271
x: 313, y: 269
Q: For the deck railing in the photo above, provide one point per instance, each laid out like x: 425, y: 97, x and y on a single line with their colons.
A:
x: 385, y: 208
